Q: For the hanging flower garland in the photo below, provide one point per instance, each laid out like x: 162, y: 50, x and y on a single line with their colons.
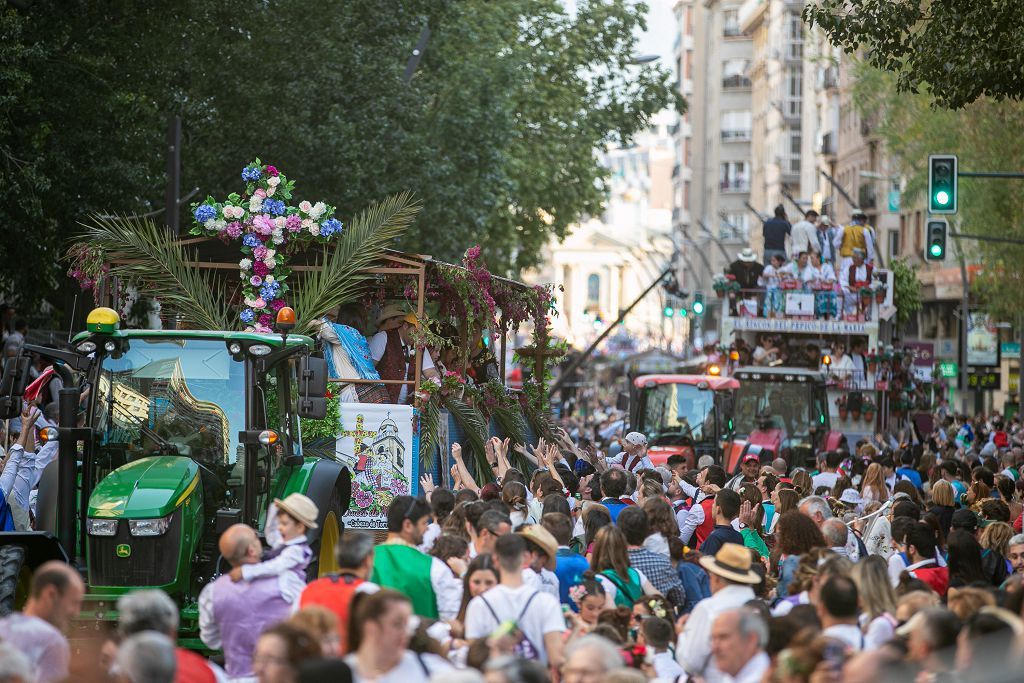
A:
x: 269, y: 229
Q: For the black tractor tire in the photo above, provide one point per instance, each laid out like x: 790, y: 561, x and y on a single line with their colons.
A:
x: 12, y: 559
x: 336, y: 507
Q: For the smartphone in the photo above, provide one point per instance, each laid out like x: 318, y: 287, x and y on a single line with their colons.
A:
x: 834, y: 654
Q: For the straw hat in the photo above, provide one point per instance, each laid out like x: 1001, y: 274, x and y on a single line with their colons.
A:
x: 391, y: 316
x: 543, y: 539
x: 301, y: 508
x: 732, y: 562
x: 747, y: 255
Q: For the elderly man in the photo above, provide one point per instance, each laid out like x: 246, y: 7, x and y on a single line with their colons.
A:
x: 589, y: 659
x: 738, y: 637
x: 750, y: 467
x: 153, y: 610
x: 731, y: 580
x: 55, y: 598
x: 233, y: 614
x: 1015, y: 554
x: 146, y: 657
x: 354, y: 554
x: 817, y: 509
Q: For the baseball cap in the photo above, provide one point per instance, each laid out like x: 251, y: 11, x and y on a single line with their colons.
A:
x: 635, y: 439
x: 751, y: 456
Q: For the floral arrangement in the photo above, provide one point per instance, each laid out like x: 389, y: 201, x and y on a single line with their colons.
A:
x: 269, y: 229
x: 578, y: 593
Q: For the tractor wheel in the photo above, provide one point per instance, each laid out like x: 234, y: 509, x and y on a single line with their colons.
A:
x: 324, y: 562
x: 13, y: 585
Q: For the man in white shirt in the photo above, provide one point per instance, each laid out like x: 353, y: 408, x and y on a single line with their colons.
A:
x: 731, y: 580
x: 633, y: 457
x: 837, y: 609
x: 393, y: 318
x: 828, y: 475
x: 536, y: 613
x: 804, y: 235
x: 738, y: 637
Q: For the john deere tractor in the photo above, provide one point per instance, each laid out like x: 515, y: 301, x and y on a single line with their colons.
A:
x: 165, y: 439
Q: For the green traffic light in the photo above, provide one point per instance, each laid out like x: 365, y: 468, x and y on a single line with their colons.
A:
x: 942, y: 197
x: 682, y: 312
x: 936, y: 250
x: 669, y: 312
x: 698, y: 307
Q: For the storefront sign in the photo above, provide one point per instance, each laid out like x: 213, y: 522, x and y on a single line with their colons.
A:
x: 1009, y: 349
x: 804, y: 326
x: 377, y: 444
x: 982, y: 341
x: 948, y: 369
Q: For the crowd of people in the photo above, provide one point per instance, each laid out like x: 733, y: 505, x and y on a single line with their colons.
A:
x: 882, y: 563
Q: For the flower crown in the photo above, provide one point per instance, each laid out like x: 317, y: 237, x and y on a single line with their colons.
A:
x: 657, y: 608
x: 578, y: 593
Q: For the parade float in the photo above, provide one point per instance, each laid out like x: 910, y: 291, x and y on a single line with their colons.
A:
x: 167, y: 437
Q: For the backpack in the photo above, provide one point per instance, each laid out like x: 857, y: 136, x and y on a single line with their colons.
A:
x: 624, y: 597
x: 524, y: 647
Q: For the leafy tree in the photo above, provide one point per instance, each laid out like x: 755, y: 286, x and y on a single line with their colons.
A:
x: 495, y: 133
x: 959, y: 50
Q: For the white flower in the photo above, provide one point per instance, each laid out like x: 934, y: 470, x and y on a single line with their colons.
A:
x: 314, y: 230
x: 280, y: 222
x: 270, y: 262
x: 220, y: 224
x: 245, y: 264
x: 233, y: 211
x: 305, y: 206
x: 317, y: 210
x: 273, y: 181
x: 306, y: 222
x: 210, y: 224
x: 271, y: 190
x: 277, y: 238
x: 271, y: 253
x: 255, y: 203
x: 269, y: 278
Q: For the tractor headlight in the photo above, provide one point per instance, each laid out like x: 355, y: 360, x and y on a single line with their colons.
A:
x: 102, y: 527
x: 260, y: 350
x: 149, y: 527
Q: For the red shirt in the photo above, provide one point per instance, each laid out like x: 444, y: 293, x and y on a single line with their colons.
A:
x: 192, y: 668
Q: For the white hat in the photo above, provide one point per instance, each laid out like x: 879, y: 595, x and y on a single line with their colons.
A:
x: 825, y: 220
x: 747, y: 255
x: 635, y: 439
x: 850, y: 496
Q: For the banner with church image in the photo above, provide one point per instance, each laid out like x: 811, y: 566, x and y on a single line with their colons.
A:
x: 377, y: 443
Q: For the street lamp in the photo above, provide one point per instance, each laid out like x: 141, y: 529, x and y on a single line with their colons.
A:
x: 643, y: 59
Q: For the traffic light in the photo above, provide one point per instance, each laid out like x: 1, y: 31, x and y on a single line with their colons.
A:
x: 682, y: 311
x: 669, y: 311
x: 935, y: 244
x: 942, y: 184
x: 698, y: 303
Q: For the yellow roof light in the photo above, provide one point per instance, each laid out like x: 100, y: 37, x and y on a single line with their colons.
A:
x: 102, y: 320
x: 714, y: 370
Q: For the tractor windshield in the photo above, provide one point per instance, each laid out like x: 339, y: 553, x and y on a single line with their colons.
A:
x: 786, y: 404
x: 183, y: 396
x: 674, y: 413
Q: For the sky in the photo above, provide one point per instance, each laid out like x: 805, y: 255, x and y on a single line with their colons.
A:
x: 660, y: 33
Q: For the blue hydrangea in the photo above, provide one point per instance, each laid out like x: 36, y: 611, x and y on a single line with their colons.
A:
x: 274, y: 206
x: 269, y: 291
x: 251, y: 240
x: 205, y: 212
x: 251, y: 174
x: 247, y: 315
x: 330, y: 227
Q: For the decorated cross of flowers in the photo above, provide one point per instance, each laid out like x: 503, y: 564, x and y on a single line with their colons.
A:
x: 269, y: 229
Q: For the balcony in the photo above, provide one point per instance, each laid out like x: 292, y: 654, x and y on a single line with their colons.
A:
x: 732, y: 31
x: 867, y: 198
x: 734, y: 185
x: 809, y: 308
x: 737, y: 82
x: 736, y: 135
x: 830, y: 78
x: 827, y: 144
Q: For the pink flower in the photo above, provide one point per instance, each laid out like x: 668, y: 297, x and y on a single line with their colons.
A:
x: 260, y: 253
x: 259, y: 303
x: 255, y: 281
x: 263, y: 225
x: 473, y: 253
x: 271, y: 171
x: 276, y: 305
x: 262, y: 329
x: 293, y: 223
x: 261, y: 193
x: 234, y: 230
x: 259, y: 268
x: 265, y: 319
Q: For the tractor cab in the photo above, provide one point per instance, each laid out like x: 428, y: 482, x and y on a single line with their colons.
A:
x: 166, y: 438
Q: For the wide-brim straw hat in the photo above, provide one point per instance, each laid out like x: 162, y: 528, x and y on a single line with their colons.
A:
x: 747, y: 255
x: 542, y: 538
x: 391, y: 315
x: 301, y: 507
x: 732, y: 562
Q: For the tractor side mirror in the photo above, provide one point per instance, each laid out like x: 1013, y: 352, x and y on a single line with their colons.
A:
x: 312, y: 408
x: 12, y: 386
x: 622, y: 401
x: 312, y: 377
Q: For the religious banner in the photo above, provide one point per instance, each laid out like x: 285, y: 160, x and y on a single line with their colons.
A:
x: 377, y: 444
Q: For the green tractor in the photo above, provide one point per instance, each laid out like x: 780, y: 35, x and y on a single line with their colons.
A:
x: 165, y: 439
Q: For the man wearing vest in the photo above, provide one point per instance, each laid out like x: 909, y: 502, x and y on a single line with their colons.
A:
x: 233, y: 614
x: 393, y: 355
x: 919, y: 548
x: 398, y: 564
x: 354, y: 554
x: 701, y: 521
x: 857, y: 235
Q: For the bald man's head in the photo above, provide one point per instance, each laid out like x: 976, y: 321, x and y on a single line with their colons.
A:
x: 239, y: 545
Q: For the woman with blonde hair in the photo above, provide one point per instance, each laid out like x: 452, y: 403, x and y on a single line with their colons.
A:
x: 965, y: 602
x: 803, y: 483
x: 873, y: 488
x: 943, y: 504
x: 877, y: 601
x: 623, y: 585
x: 784, y: 499
x: 995, y: 544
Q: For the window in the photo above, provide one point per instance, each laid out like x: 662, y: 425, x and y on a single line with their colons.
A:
x: 734, y: 177
x: 734, y: 226
x: 734, y: 73
x: 894, y: 243
x: 736, y: 125
x: 793, y: 96
x: 792, y: 164
x: 593, y: 289
x: 794, y: 38
x: 731, y: 23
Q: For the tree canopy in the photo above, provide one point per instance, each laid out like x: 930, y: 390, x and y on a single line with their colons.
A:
x: 960, y: 50
x: 495, y: 133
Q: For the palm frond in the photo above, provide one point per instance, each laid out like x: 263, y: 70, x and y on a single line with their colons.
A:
x: 342, y: 277
x: 430, y: 419
x: 151, y: 258
x: 475, y: 429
